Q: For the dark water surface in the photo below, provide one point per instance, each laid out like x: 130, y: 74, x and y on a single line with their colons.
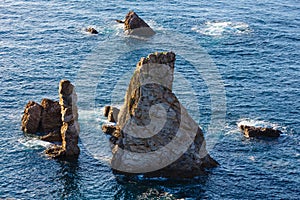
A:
x: 254, y: 45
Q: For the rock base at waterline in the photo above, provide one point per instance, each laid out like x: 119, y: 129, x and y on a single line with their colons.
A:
x: 58, y: 120
x: 134, y: 25
x: 154, y: 134
x: 251, y: 131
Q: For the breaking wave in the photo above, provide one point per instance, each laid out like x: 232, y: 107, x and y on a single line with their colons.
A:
x: 218, y: 28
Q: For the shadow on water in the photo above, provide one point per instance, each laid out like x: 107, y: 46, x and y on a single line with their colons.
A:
x: 138, y: 187
x: 69, y: 179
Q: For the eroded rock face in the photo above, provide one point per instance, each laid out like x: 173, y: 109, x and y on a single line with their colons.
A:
x: 53, y: 136
x: 70, y: 126
x: 134, y: 25
x: 51, y: 116
x: 31, y: 117
x: 59, y: 120
x: 251, y: 131
x: 154, y: 134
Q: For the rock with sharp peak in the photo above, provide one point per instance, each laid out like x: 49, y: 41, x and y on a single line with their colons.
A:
x: 156, y: 135
x: 134, y: 25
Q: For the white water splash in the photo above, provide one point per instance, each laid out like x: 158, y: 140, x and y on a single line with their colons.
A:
x: 215, y: 28
x: 34, y: 143
x: 258, y: 123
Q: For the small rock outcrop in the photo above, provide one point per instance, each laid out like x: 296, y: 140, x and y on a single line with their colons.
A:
x: 251, y: 131
x: 91, y: 30
x: 111, y: 113
x: 134, y: 25
x: 57, y: 120
x: 154, y: 134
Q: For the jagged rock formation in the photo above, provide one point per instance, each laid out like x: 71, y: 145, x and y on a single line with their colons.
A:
x: 42, y: 118
x: 251, y: 131
x: 154, y: 134
x: 58, y: 120
x: 51, y: 116
x: 70, y: 128
x: 31, y: 117
x: 134, y: 25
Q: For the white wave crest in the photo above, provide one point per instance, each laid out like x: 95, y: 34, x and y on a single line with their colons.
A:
x: 258, y: 123
x: 214, y: 28
x: 34, y: 143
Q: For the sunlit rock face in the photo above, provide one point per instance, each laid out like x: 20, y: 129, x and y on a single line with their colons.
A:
x: 57, y: 120
x: 154, y: 134
x: 134, y: 25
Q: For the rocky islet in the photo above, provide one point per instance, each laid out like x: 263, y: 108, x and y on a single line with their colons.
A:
x: 152, y: 122
x: 57, y: 121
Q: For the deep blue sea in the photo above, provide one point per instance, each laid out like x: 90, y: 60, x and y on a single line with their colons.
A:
x: 237, y: 62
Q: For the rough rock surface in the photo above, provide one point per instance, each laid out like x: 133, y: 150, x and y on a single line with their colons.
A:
x: 53, y: 136
x: 108, y: 129
x: 154, y: 134
x: 59, y: 120
x: 31, y: 117
x: 134, y: 25
x: 70, y: 127
x: 251, y: 131
x: 113, y: 114
x: 51, y: 116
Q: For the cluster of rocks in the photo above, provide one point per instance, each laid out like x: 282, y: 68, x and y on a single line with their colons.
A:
x: 252, y: 131
x: 134, y: 25
x: 56, y: 120
x: 152, y: 122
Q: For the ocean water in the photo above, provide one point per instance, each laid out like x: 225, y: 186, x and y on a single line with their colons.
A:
x: 237, y: 62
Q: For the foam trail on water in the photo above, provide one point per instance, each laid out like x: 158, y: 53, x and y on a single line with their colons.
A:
x: 34, y: 143
x: 215, y: 28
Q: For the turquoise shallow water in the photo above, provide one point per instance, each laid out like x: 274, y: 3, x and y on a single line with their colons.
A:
x: 253, y: 45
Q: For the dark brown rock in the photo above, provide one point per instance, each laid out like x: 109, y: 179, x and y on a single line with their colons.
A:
x: 251, y: 131
x: 51, y: 116
x: 134, y: 25
x: 56, y: 151
x: 53, y: 136
x: 106, y: 111
x: 108, y: 129
x: 58, y: 119
x: 91, y: 30
x: 32, y: 117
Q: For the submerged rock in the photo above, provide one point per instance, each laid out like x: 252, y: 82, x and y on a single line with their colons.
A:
x: 155, y: 135
x: 251, y: 131
x: 134, y: 25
